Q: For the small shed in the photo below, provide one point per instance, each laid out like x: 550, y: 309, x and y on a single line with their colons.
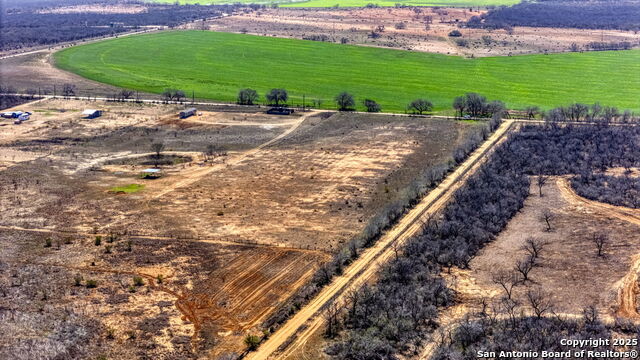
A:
x: 188, y: 112
x: 91, y: 113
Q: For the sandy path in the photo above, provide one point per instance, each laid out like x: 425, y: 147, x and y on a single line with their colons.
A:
x: 621, y: 212
x: 369, y: 262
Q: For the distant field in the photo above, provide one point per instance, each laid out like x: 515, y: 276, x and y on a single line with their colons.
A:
x: 353, y: 3
x: 216, y: 65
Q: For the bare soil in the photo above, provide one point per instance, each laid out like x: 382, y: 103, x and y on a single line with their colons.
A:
x: 569, y: 269
x: 96, y: 8
x: 219, y: 241
x: 35, y: 71
x: 355, y: 26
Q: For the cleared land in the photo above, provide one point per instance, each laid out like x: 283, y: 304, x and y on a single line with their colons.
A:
x: 425, y: 29
x: 308, y: 322
x: 218, y: 242
x: 569, y: 270
x: 357, y: 3
x: 216, y: 65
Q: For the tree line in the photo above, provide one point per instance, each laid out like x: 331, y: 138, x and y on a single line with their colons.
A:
x: 25, y: 25
x: 469, y: 105
x: 598, y: 14
x: 427, y: 180
x: 393, y: 316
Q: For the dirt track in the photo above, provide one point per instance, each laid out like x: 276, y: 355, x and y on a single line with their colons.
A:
x: 369, y: 262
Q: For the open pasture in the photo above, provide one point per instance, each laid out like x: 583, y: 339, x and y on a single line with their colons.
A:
x: 217, y: 65
x: 356, y: 3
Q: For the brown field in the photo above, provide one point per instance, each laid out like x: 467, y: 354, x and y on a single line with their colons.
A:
x: 35, y: 71
x: 219, y: 241
x: 355, y: 25
x: 569, y: 270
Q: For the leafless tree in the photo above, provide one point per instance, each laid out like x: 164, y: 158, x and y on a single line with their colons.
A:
x: 126, y: 94
x: 541, y: 181
x: 533, y: 246
x: 332, y: 319
x: 507, y: 280
x: 547, y: 216
x: 524, y: 266
x: 600, y: 239
x: 539, y: 301
x: 510, y: 307
x: 68, y: 90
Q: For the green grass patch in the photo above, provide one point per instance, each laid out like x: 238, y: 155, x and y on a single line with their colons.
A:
x: 127, y: 189
x: 216, y: 65
x: 352, y: 3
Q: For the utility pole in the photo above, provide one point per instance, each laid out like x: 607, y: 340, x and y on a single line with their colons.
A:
x: 304, y: 107
x: 193, y: 97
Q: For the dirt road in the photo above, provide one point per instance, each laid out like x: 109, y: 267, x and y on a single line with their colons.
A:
x: 370, y: 261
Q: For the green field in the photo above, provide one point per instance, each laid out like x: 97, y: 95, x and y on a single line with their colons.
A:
x: 216, y: 65
x: 127, y: 189
x: 353, y: 3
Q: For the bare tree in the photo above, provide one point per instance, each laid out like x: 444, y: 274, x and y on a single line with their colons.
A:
x: 332, y: 320
x: 541, y: 181
x: 68, y: 90
x: 179, y: 95
x: 510, y: 307
x: 126, y: 94
x: 460, y: 105
x: 532, y: 111
x: 524, y: 266
x: 533, y: 246
x: 539, y: 301
x: 600, y: 239
x: 547, y: 216
x: 507, y: 280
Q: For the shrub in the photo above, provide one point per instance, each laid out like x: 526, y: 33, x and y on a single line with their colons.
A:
x: 455, y: 33
x: 98, y: 240
x: 47, y: 242
x: 252, y: 342
x: 90, y: 284
x: 138, y: 281
x: 77, y: 280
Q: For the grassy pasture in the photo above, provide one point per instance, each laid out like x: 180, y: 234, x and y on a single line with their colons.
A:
x: 353, y: 3
x: 216, y: 65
